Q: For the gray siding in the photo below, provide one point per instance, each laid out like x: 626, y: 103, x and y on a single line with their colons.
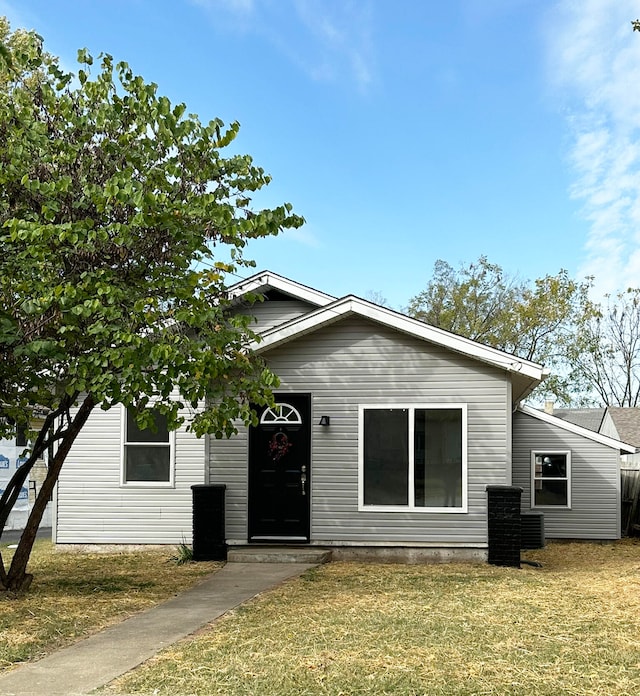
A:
x: 356, y: 362
x: 92, y: 506
x: 271, y: 313
x: 595, y: 480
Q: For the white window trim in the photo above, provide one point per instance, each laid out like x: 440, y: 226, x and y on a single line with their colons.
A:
x: 171, y: 483
x: 411, y: 507
x: 539, y: 452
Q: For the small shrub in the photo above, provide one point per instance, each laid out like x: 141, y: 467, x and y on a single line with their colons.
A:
x: 184, y: 554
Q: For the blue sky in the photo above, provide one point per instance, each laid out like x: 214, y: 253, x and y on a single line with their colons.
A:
x: 404, y: 131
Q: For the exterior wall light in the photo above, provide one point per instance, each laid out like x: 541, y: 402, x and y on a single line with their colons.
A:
x: 325, y: 420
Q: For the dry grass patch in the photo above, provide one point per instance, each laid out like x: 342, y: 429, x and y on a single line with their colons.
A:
x: 75, y: 594
x: 571, y: 627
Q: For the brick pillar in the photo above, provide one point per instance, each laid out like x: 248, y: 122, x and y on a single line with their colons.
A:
x: 209, y: 543
x: 505, y: 530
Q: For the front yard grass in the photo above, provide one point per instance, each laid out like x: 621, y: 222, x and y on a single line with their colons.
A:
x: 76, y: 594
x: 570, y: 627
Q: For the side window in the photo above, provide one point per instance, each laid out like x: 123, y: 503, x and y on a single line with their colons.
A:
x: 551, y: 479
x: 147, y: 454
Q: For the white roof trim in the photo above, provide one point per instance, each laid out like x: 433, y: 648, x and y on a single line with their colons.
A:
x: 578, y: 429
x: 267, y: 279
x: 352, y: 305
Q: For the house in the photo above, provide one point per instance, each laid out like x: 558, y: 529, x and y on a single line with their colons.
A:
x: 13, y: 452
x: 570, y: 473
x: 620, y: 423
x: 384, y: 438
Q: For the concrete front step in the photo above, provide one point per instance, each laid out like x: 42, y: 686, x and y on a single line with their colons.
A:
x: 277, y: 554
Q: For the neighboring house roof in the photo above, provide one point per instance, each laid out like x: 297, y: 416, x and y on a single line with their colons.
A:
x: 590, y: 418
x: 526, y: 374
x: 578, y: 429
x: 261, y: 283
x: 625, y: 419
x: 627, y: 422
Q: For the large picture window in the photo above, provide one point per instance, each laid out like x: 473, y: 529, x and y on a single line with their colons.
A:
x: 413, y: 457
x: 148, y: 453
x: 551, y: 476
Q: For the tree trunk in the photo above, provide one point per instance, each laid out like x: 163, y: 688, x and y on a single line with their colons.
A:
x: 17, y: 578
x: 8, y: 500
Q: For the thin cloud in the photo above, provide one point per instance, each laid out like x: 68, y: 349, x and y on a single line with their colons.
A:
x: 303, y: 235
x: 330, y: 39
x: 594, y: 62
x: 343, y: 33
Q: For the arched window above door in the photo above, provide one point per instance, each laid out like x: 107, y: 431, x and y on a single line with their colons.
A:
x: 281, y: 413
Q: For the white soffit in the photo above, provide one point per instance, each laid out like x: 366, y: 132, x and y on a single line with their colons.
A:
x: 577, y: 429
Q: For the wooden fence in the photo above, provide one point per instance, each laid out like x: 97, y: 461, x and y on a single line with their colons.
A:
x: 630, y: 493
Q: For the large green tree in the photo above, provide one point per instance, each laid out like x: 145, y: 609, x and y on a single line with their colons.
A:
x: 120, y: 220
x: 536, y: 321
x: 474, y: 300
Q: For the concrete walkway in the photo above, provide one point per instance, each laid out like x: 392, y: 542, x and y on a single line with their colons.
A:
x: 95, y: 661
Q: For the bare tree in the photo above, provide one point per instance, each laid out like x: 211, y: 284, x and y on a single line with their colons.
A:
x: 606, y: 353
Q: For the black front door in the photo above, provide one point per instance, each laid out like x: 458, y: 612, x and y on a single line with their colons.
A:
x: 280, y: 472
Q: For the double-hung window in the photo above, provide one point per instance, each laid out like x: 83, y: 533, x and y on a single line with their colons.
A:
x: 413, y: 457
x: 147, y: 454
x: 551, y: 479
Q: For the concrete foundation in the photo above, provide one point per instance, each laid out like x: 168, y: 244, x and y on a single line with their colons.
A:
x: 409, y: 555
x: 113, y: 548
x: 311, y: 554
x: 273, y: 554
x: 361, y: 554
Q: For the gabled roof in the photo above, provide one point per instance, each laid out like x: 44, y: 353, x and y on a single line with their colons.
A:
x: 627, y: 422
x: 590, y: 418
x: 526, y: 374
x: 261, y: 283
x: 578, y: 429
